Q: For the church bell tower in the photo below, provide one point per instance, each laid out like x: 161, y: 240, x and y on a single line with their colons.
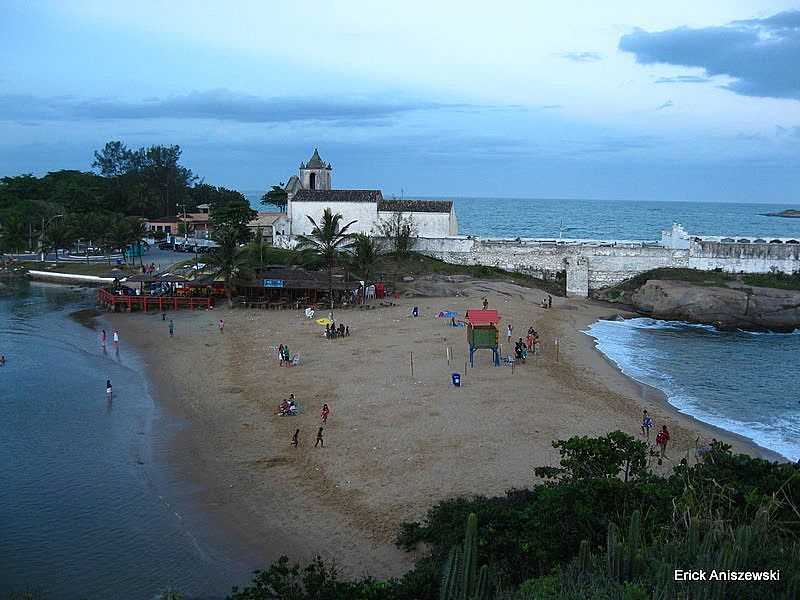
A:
x: 315, y: 174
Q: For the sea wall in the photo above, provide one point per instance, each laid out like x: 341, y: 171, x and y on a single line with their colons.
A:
x: 595, y: 264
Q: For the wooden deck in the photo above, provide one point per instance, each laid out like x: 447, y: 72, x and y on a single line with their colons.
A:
x: 116, y: 302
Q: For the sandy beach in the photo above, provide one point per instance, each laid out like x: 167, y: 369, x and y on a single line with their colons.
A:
x: 395, y: 444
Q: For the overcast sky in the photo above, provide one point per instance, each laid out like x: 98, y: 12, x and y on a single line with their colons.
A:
x: 679, y: 100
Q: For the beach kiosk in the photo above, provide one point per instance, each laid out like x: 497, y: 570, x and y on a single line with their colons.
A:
x: 482, y: 333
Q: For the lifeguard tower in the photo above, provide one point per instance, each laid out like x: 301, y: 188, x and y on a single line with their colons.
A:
x: 482, y: 333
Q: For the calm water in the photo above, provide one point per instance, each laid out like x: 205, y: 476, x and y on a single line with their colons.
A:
x: 88, y: 508
x: 742, y: 382
x: 610, y: 219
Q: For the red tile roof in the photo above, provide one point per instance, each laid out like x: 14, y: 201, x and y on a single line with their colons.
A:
x: 482, y: 317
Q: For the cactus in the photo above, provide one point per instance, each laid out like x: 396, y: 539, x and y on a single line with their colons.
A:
x: 461, y: 578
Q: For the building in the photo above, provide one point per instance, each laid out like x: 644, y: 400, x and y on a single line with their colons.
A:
x: 310, y: 192
x: 270, y: 226
x: 198, y: 223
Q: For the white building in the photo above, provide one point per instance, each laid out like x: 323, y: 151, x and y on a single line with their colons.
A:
x: 310, y: 193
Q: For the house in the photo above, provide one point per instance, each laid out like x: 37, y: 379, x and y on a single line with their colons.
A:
x: 269, y: 226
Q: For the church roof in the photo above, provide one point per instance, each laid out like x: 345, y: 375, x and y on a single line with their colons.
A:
x: 338, y: 196
x: 315, y: 162
x: 435, y: 206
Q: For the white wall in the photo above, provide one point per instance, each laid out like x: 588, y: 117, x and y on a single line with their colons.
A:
x: 428, y: 224
x: 364, y: 212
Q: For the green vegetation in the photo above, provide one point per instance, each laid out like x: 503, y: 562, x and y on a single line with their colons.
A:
x: 781, y: 281
x: 602, y: 526
x: 105, y: 209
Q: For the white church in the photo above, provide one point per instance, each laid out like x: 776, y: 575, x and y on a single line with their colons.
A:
x: 310, y: 193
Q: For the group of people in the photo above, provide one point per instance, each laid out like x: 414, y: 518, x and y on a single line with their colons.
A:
x: 104, y: 337
x: 323, y: 414
x: 284, y: 356
x: 149, y: 269
x: 662, y: 437
x: 333, y: 332
x: 288, y: 407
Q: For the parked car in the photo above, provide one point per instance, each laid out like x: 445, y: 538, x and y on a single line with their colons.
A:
x: 165, y: 246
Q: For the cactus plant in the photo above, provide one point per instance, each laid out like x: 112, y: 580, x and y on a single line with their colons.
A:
x: 461, y: 578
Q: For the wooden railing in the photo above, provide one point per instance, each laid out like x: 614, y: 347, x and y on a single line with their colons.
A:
x: 111, y: 301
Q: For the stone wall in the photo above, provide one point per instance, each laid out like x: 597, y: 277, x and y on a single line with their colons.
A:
x: 592, y: 265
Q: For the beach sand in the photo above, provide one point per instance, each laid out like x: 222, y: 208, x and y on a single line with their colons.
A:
x: 395, y: 444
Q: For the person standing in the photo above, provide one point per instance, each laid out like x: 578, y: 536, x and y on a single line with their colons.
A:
x: 319, y: 441
x: 485, y: 304
x: 549, y: 301
x: 116, y: 337
x: 509, y: 332
x: 296, y: 438
x: 221, y: 326
x: 103, y: 338
x: 662, y: 439
x: 647, y: 424
x: 171, y: 328
x: 109, y: 388
x: 324, y: 413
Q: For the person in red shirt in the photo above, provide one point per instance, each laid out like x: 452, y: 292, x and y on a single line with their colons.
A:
x: 324, y: 413
x: 662, y: 439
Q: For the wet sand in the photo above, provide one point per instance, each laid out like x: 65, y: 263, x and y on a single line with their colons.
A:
x: 395, y: 444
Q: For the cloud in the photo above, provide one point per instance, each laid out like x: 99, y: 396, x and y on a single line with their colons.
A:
x: 790, y: 132
x: 582, y: 56
x: 761, y: 55
x: 683, y: 79
x: 667, y: 104
x: 214, y: 104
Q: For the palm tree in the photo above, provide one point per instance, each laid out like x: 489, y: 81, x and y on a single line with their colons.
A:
x: 366, y: 252
x: 138, y: 231
x: 228, y: 259
x: 327, y: 241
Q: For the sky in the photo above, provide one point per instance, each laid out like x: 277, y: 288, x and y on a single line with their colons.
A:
x: 673, y: 101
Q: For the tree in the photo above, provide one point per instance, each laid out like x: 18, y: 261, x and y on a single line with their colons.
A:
x: 228, y: 259
x: 230, y: 210
x: 399, y: 230
x: 605, y: 456
x: 277, y: 196
x: 327, y: 241
x: 138, y: 232
x: 13, y: 234
x: 60, y: 233
x: 366, y: 252
x: 113, y: 160
x: 119, y: 236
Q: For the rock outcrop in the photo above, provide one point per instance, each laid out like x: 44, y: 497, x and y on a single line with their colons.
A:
x: 735, y: 306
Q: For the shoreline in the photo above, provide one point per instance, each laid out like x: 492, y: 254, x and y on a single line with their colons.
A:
x: 660, y: 396
x: 398, y: 448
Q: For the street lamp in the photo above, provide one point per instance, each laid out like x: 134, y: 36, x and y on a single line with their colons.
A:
x: 44, y: 226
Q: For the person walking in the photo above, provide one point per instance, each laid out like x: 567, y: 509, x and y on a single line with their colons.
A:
x: 320, y: 441
x: 296, y: 438
x: 324, y: 413
x: 647, y: 424
x: 103, y: 338
x: 109, y: 388
x: 485, y: 304
x: 662, y: 439
x: 549, y: 301
x: 509, y: 332
x: 171, y: 328
x: 116, y: 337
x: 221, y: 326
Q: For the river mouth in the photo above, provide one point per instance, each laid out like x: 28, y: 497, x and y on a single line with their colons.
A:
x: 743, y: 382
x: 91, y: 506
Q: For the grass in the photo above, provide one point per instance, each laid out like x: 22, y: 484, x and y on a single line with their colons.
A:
x: 74, y: 268
x: 781, y: 281
x: 694, y: 276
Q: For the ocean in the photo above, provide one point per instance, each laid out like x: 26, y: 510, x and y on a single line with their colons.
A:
x: 89, y: 508
x: 609, y: 219
x: 739, y: 381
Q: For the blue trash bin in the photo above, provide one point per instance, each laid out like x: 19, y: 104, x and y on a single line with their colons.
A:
x: 457, y: 379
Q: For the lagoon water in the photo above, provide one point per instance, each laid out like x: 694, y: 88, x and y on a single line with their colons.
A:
x: 89, y: 508
x: 739, y: 381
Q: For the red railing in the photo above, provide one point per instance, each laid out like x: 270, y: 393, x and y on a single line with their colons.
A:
x: 112, y: 301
